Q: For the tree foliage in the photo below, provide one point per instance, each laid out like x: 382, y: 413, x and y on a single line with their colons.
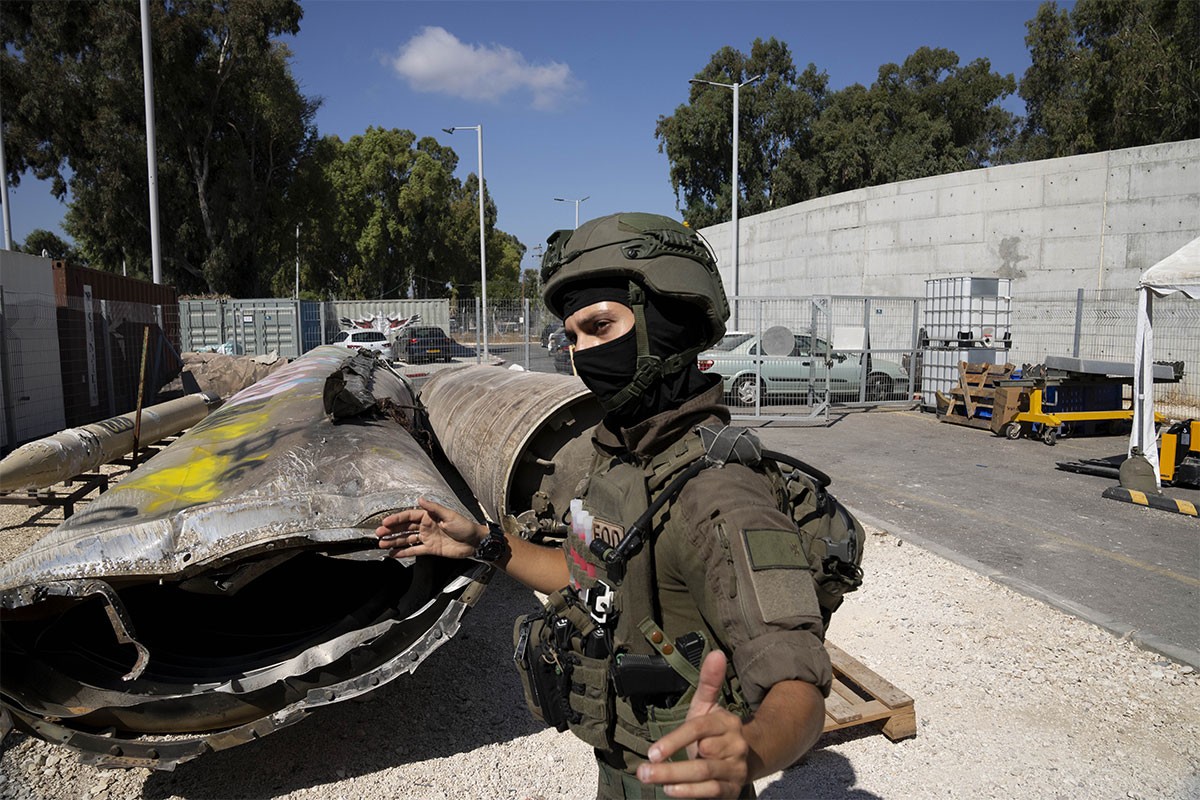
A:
x: 1104, y: 75
x: 799, y: 140
x: 383, y: 215
x: 51, y: 245
x: 232, y: 127
x: 1110, y: 75
x: 246, y: 187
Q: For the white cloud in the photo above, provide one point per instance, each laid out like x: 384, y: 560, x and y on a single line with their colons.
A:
x: 436, y: 61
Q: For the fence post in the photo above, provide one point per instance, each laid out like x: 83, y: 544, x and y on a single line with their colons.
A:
x: 478, y: 333
x: 525, y: 316
x: 917, y: 353
x: 1078, y: 321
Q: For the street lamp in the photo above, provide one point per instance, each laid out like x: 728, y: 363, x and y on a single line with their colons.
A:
x: 483, y: 323
x: 576, y: 202
x: 736, y: 87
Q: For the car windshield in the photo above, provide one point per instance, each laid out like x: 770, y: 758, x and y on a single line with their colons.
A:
x: 731, y: 340
x: 341, y: 337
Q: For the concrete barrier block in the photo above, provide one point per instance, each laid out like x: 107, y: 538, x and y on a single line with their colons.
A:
x: 1144, y: 250
x: 1154, y: 215
x: 1081, y: 219
x: 1165, y: 178
x: 835, y: 217
x: 1014, y: 193
x: 962, y: 199
x: 913, y: 205
x: 1074, y: 186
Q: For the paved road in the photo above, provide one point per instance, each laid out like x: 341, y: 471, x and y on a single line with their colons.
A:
x: 1004, y: 508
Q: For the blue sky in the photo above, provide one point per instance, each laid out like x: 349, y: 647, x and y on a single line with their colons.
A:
x: 568, y: 93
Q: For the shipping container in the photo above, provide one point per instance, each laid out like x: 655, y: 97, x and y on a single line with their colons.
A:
x: 104, y: 319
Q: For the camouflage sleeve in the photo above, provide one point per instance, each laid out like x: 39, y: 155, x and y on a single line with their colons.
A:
x: 749, y: 577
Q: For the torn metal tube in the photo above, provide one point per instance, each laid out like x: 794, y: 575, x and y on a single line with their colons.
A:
x: 64, y: 455
x: 233, y: 583
x: 517, y: 438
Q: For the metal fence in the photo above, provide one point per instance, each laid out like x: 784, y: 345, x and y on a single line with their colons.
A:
x: 1101, y: 324
x: 844, y: 349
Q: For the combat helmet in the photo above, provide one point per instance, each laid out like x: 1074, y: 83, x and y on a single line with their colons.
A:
x: 656, y: 254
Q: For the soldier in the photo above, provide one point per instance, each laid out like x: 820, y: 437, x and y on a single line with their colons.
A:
x: 694, y: 663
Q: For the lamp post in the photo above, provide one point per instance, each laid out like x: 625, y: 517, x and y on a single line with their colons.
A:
x: 483, y: 319
x: 576, y: 202
x: 736, y: 87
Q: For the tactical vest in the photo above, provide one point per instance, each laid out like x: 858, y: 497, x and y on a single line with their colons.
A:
x: 607, y: 622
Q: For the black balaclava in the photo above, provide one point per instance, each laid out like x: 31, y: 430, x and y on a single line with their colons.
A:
x: 671, y: 327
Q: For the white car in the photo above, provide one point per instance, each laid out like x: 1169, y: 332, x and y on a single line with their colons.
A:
x: 364, y: 340
x: 751, y: 376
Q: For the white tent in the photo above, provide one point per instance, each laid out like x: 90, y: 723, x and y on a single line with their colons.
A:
x: 1178, y: 272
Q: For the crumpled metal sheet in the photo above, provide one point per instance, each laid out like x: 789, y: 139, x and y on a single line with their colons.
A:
x: 112, y: 625
x: 267, y: 468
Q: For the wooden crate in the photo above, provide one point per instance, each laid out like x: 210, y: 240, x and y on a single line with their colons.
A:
x: 860, y: 696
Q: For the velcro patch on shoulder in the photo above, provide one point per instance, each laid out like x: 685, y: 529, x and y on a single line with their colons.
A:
x: 774, y: 549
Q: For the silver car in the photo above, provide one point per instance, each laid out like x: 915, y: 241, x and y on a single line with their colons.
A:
x: 752, y: 376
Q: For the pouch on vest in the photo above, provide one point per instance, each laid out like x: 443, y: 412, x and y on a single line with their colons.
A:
x: 543, y: 678
x: 831, y: 537
x: 562, y: 657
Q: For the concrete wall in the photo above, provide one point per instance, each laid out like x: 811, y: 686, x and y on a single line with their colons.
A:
x: 1094, y: 222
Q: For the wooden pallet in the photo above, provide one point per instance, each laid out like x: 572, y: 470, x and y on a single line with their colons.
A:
x: 975, y: 393
x: 860, y: 696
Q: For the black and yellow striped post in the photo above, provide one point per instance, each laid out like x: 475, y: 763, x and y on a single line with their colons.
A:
x: 1158, y: 501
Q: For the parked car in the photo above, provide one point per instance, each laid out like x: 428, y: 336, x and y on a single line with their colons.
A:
x: 738, y: 359
x: 361, y: 339
x: 561, y: 352
x: 425, y: 344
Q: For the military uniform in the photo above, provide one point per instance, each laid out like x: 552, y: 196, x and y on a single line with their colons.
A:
x: 721, y: 559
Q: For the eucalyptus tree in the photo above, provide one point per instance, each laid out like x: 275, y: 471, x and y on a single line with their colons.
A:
x: 232, y: 127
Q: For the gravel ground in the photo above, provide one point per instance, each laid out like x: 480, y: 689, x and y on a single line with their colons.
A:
x: 1014, y: 700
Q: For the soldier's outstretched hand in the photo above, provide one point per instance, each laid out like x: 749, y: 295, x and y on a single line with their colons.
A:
x: 716, y: 746
x: 431, y: 529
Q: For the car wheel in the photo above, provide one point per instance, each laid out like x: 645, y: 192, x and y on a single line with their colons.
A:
x: 746, y: 391
x: 879, y: 387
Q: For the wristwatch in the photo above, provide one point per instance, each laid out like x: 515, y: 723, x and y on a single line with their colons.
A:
x: 493, y: 545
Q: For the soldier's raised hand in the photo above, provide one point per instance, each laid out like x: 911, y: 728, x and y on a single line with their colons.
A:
x: 717, y: 749
x: 431, y: 529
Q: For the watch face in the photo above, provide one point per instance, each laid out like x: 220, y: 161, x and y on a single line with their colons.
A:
x: 493, y: 546
x: 491, y: 549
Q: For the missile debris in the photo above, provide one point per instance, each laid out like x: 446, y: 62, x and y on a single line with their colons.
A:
x: 232, y: 584
x: 515, y: 437
x: 63, y: 455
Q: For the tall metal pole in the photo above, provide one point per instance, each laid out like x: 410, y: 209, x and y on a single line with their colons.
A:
x: 734, y: 187
x: 297, y: 295
x: 735, y: 191
x: 151, y: 147
x: 8, y: 245
x: 482, y: 246
x: 482, y: 235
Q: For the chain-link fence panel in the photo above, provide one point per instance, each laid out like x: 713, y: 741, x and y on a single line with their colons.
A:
x: 794, y: 357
